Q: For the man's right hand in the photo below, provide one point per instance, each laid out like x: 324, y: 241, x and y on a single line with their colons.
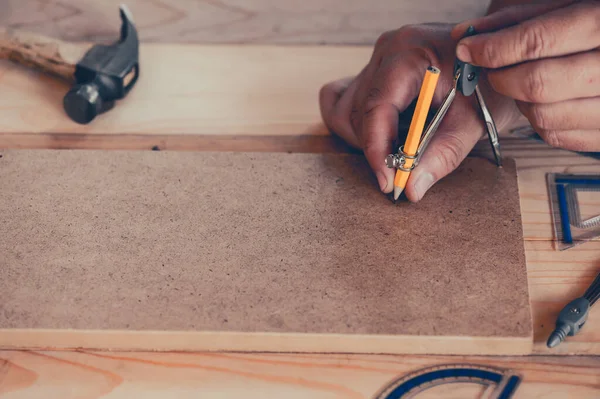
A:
x: 546, y: 57
x: 364, y: 110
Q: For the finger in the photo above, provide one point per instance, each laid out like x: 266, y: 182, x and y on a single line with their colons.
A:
x: 335, y: 101
x: 573, y: 140
x: 362, y: 92
x: 385, y: 45
x: 550, y: 80
x: 578, y: 114
x: 378, y: 142
x: 366, y: 76
x: 395, y: 85
x: 506, y: 17
x: 560, y: 32
x: 332, y: 92
x: 448, y: 148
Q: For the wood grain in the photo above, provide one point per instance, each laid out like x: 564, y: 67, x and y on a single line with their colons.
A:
x: 240, y: 92
x: 554, y: 277
x: 233, y: 21
x: 534, y: 161
x: 185, y: 89
x: 117, y: 375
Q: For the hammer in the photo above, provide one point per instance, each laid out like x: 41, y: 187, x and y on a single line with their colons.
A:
x: 99, y: 74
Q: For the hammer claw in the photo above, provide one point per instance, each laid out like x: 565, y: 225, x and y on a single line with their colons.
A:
x: 105, y: 74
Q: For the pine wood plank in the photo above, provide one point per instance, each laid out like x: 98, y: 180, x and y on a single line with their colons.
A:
x: 555, y: 277
x: 534, y: 160
x: 224, y: 93
x: 233, y: 21
x: 118, y: 375
x: 193, y: 89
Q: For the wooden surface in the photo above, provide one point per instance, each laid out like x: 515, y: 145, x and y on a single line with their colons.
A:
x: 554, y: 279
x: 233, y: 21
x: 70, y: 375
x: 256, y: 251
x: 199, y: 90
x: 215, y: 97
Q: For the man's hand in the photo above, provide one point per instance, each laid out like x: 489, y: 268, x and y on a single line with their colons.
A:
x: 364, y: 110
x: 547, y: 58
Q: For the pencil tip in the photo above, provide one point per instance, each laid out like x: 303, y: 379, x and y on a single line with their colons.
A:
x: 397, y: 192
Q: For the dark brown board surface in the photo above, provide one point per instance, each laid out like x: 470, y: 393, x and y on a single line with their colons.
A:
x: 255, y: 242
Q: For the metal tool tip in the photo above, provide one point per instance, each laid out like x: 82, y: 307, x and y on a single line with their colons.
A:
x: 556, y: 337
x: 553, y: 341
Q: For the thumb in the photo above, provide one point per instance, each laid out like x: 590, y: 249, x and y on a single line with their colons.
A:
x: 447, y: 149
x: 392, y: 89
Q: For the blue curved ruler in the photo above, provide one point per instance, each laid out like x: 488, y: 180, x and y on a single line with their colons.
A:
x: 506, y: 382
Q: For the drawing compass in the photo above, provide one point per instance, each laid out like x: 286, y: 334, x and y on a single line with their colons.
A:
x: 466, y: 78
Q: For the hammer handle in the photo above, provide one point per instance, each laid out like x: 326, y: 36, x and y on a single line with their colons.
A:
x: 48, y: 55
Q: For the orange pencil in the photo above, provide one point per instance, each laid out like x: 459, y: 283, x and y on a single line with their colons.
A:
x: 417, y: 125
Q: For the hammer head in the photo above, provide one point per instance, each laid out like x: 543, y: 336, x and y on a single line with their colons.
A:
x: 106, y: 73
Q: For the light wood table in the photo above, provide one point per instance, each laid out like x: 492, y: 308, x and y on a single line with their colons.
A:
x: 554, y: 277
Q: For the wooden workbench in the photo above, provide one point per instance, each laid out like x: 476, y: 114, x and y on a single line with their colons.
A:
x: 554, y: 277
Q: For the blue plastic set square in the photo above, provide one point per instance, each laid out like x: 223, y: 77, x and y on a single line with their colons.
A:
x: 571, y: 226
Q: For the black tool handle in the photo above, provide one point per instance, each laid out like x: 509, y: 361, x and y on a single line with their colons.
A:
x: 469, y: 74
x: 573, y: 316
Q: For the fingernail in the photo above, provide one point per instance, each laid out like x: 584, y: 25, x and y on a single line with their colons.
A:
x: 382, y: 180
x: 463, y: 54
x: 423, y: 183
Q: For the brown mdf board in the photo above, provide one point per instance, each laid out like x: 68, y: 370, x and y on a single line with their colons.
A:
x: 143, y: 250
